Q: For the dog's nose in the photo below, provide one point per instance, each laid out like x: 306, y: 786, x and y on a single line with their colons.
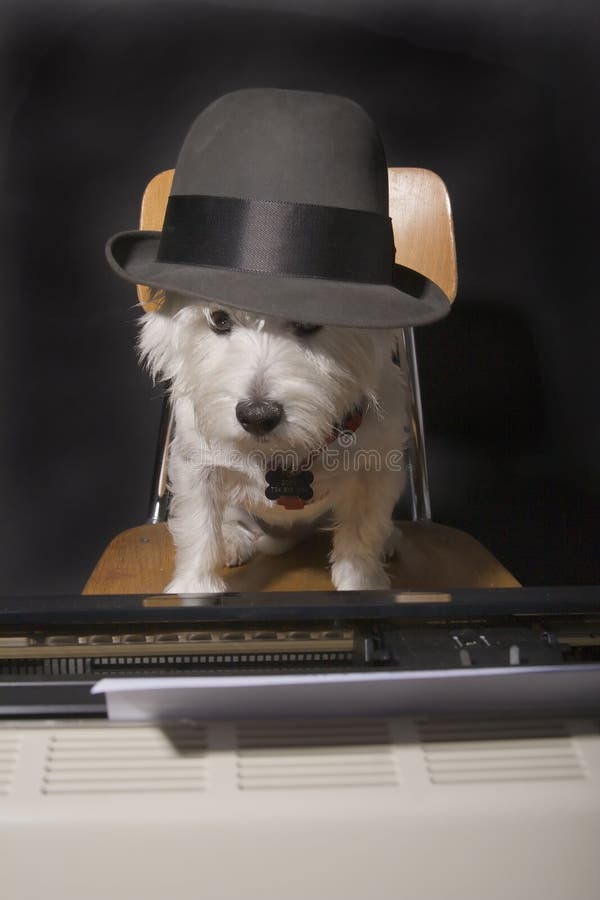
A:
x: 258, y: 416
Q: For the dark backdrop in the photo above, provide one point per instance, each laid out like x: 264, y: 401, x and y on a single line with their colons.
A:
x: 497, y: 97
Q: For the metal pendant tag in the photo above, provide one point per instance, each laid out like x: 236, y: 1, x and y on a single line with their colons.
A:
x: 289, y: 489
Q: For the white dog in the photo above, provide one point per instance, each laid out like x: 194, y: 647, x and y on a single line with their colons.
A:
x: 263, y: 398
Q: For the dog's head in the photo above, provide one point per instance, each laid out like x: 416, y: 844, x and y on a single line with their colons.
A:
x: 262, y: 381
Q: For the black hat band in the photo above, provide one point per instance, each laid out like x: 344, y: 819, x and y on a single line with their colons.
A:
x: 278, y: 238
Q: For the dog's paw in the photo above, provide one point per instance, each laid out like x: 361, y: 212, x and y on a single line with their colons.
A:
x: 194, y: 584
x: 240, y: 544
x: 348, y: 575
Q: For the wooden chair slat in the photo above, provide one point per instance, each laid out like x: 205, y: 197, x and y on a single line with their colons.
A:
x: 431, y: 558
x: 419, y: 209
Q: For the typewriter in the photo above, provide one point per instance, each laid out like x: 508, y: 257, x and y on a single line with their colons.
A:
x: 487, y: 782
x: 54, y: 649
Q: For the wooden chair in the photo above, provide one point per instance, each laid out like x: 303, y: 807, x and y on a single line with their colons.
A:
x: 433, y: 557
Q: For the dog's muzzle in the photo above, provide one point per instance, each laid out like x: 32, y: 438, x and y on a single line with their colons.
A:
x: 258, y: 417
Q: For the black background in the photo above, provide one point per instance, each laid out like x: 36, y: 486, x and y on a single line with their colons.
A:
x: 499, y: 98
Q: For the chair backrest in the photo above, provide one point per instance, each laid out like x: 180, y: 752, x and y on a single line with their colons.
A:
x: 419, y: 209
x: 424, y: 239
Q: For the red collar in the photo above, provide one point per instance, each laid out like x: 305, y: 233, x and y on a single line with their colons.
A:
x: 292, y: 488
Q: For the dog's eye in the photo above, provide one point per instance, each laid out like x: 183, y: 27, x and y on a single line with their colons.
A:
x: 220, y: 321
x: 302, y: 329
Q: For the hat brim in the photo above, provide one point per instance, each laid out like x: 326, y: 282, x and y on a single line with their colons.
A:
x: 412, y: 299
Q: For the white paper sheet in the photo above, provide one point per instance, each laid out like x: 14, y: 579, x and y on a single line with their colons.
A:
x: 351, y: 694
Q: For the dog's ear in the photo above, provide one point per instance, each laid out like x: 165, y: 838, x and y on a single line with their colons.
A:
x: 165, y: 334
x: 157, y: 340
x: 155, y: 344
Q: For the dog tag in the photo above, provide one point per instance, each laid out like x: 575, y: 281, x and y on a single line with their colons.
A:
x: 289, y: 489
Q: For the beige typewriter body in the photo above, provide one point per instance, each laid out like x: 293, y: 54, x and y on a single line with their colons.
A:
x: 384, y: 808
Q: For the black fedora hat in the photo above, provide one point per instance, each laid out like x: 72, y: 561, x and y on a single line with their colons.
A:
x: 279, y: 206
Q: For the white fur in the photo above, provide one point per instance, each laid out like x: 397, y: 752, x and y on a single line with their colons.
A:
x: 219, y: 512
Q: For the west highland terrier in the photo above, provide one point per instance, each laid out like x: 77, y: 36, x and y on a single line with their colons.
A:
x: 279, y: 426
x: 277, y: 291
